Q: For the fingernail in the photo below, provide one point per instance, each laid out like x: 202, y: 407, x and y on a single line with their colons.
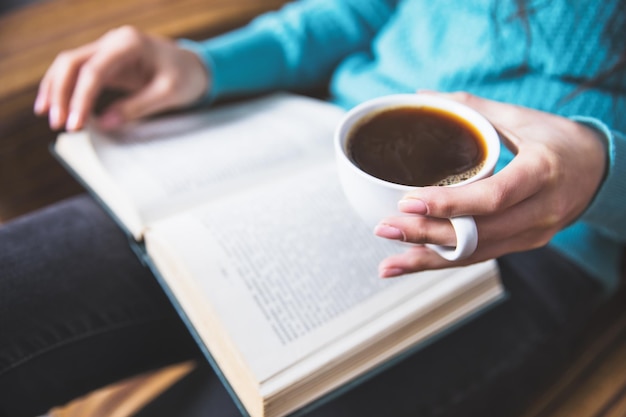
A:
x: 110, y: 120
x: 391, y: 272
x: 72, y: 121
x: 54, y: 117
x: 38, y: 107
x: 389, y: 232
x: 412, y: 205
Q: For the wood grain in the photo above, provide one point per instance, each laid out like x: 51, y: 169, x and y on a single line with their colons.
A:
x: 31, y: 37
x: 127, y: 397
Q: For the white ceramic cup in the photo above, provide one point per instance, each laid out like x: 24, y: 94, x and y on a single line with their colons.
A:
x: 374, y: 199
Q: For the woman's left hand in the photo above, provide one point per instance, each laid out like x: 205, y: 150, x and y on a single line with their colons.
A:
x: 558, y: 167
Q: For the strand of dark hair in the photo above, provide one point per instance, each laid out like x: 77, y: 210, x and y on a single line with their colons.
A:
x: 614, y: 33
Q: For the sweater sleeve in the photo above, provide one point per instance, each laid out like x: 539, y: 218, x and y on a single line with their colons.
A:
x: 607, y: 212
x: 294, y: 48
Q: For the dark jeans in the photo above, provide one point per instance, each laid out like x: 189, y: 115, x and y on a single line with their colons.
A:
x: 78, y: 311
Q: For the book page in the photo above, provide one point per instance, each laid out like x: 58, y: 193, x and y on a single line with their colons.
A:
x: 173, y: 162
x: 289, y: 267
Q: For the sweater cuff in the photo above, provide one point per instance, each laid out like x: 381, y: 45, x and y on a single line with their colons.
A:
x: 202, y: 53
x: 607, y: 208
x: 243, y: 61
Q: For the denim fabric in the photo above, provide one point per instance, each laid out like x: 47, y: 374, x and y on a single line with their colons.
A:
x: 78, y: 311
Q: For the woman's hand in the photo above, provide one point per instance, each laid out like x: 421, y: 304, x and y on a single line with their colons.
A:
x: 156, y: 72
x: 558, y: 167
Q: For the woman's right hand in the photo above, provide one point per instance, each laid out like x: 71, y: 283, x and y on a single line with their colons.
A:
x: 156, y: 72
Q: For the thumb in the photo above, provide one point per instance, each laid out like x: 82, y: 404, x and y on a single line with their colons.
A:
x: 500, y: 115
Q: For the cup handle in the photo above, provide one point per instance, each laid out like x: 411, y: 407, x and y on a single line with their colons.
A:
x: 466, y: 240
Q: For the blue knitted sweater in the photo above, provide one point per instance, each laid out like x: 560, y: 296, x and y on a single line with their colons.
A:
x: 367, y: 48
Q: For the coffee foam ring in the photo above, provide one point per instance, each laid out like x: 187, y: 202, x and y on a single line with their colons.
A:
x: 466, y: 237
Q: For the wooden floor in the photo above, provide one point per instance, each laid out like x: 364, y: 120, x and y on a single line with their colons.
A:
x: 125, y: 398
x: 593, y: 386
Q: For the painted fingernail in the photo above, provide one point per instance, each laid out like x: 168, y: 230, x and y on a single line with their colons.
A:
x: 391, y: 272
x: 412, y: 205
x: 72, y: 121
x: 110, y: 120
x: 38, y: 107
x: 54, y: 117
x: 389, y: 232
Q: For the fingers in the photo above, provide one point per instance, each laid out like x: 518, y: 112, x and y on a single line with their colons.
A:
x: 525, y: 226
x: 523, y: 177
x: 417, y: 229
x: 42, y: 101
x: 75, y: 79
x: 179, y: 80
x: 417, y: 258
x: 57, y: 84
x: 513, y: 225
x: 161, y: 76
x: 92, y: 76
x: 154, y: 97
x: 420, y: 258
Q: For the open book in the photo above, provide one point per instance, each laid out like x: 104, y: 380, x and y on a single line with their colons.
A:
x: 240, y: 214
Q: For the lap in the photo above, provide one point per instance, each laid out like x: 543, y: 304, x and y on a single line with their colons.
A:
x: 75, y: 303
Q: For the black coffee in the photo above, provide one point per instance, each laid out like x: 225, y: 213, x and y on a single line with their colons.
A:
x: 416, y: 146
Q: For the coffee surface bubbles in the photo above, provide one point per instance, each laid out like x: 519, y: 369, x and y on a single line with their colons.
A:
x: 416, y: 146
